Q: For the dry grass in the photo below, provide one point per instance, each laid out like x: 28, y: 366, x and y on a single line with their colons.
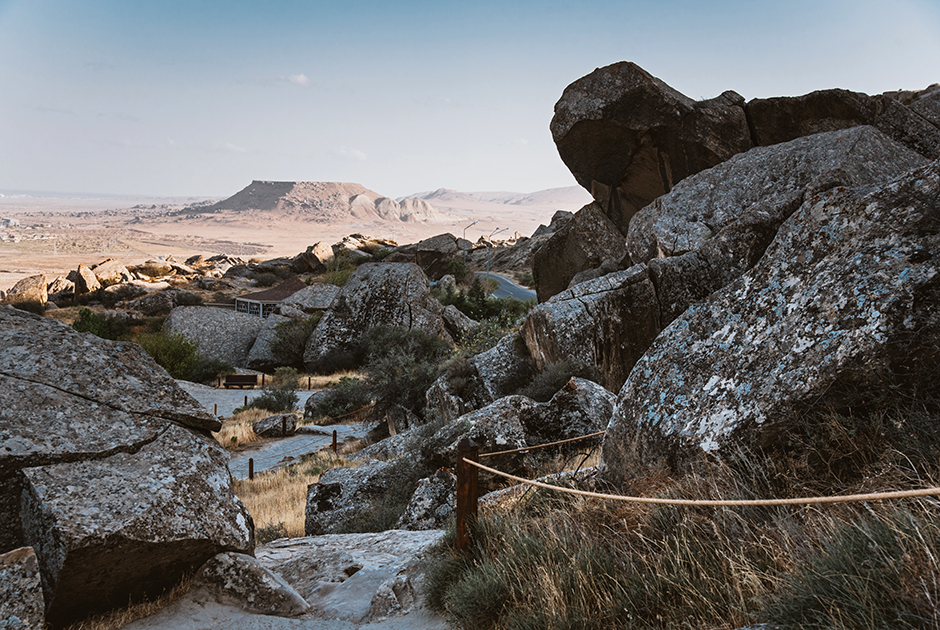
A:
x: 117, y: 619
x: 236, y: 431
x: 277, y: 500
x: 320, y: 381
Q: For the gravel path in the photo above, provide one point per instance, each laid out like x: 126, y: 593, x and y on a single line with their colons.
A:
x: 228, y: 399
x: 280, y: 452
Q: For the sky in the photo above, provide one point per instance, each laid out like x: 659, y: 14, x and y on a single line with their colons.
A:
x: 200, y: 97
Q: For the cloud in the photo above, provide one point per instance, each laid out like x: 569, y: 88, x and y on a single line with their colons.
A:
x: 228, y: 147
x: 54, y: 110
x: 353, y: 154
x: 298, y: 79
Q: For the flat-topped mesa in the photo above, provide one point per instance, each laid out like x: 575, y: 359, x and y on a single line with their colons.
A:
x: 628, y: 137
x: 326, y: 201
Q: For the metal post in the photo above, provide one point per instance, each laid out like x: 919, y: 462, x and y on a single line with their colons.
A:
x: 334, y: 441
x: 466, y: 493
x: 251, y: 468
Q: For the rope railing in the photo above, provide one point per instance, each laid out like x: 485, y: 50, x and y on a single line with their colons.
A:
x: 538, y: 446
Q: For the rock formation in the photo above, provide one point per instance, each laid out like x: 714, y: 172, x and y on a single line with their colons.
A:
x: 84, y: 475
x: 220, y: 334
x: 849, y: 286
x: 28, y: 291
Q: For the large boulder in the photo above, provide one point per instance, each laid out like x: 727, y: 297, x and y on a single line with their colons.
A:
x: 784, y: 118
x: 608, y: 322
x: 377, y: 294
x: 849, y: 286
x: 21, y: 602
x: 262, y: 356
x: 84, y: 477
x: 241, y: 580
x: 433, y: 254
x: 628, y: 137
x: 220, y: 333
x: 316, y: 297
x: 110, y: 272
x: 31, y: 290
x: 85, y: 280
x: 432, y: 503
x: 278, y: 425
x: 583, y: 242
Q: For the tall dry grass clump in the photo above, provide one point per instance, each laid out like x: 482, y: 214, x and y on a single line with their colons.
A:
x: 277, y: 499
x: 236, y: 431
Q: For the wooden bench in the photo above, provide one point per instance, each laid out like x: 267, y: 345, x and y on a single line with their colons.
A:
x: 240, y: 380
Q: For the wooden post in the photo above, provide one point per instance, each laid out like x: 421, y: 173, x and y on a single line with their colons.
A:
x: 246, y: 400
x: 466, y: 493
x: 334, y: 441
x: 215, y: 409
x: 308, y: 382
x: 283, y: 427
x: 220, y: 381
x: 251, y: 468
x: 262, y: 380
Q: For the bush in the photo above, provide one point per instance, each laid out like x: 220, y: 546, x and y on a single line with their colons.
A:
x: 290, y: 340
x: 546, y: 383
x: 207, y: 371
x: 270, y: 532
x: 173, y: 352
x: 475, y: 304
x: 188, y: 298
x: 348, y: 395
x: 37, y: 308
x: 266, y: 279
x: 280, y: 396
x: 340, y: 268
x: 524, y: 278
x: 458, y: 269
x: 104, y: 327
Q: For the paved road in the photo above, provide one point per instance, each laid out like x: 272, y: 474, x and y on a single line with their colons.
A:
x: 508, y: 288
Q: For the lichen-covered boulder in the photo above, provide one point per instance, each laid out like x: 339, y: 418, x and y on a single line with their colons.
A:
x: 628, y: 138
x: 850, y: 284
x: 240, y: 580
x: 584, y: 242
x: 134, y: 521
x: 432, y: 503
x: 377, y: 294
x: 278, y: 425
x: 85, y: 479
x: 608, y: 322
x: 21, y: 601
x: 110, y: 272
x: 432, y: 254
x: 316, y: 297
x: 220, y: 333
x: 581, y: 407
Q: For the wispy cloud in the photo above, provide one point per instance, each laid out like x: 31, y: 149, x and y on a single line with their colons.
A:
x: 352, y: 154
x: 298, y: 79
x: 45, y: 109
x: 228, y: 147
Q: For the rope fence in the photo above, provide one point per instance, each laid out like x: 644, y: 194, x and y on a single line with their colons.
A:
x: 468, y: 467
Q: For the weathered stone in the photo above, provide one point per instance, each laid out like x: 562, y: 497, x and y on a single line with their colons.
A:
x: 241, y: 580
x: 31, y: 290
x: 279, y: 425
x: 628, y: 137
x: 608, y: 322
x: 154, y: 269
x: 377, y: 294
x: 155, y: 303
x: 120, y: 291
x: 61, y: 285
x: 21, y: 600
x: 111, y: 272
x: 784, y: 118
x: 40, y: 352
x: 85, y: 280
x: 432, y: 254
x: 316, y: 297
x: 586, y: 241
x: 134, y: 521
x: 579, y: 408
x: 355, y: 578
x: 850, y: 284
x: 457, y: 325
x: 261, y: 356
x: 344, y: 495
x: 432, y: 503
x: 927, y: 104
x: 607, y: 267
x: 220, y: 334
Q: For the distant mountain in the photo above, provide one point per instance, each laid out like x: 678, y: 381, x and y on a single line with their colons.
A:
x: 567, y: 198
x: 326, y: 201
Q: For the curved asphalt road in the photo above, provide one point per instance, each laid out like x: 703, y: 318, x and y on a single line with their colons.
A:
x: 508, y: 288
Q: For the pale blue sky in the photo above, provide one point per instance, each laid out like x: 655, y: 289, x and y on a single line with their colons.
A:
x: 200, y: 97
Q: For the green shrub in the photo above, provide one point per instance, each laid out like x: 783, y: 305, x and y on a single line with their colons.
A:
x: 554, y: 376
x: 35, y: 307
x: 475, y: 304
x: 458, y: 269
x: 340, y: 268
x: 524, y: 278
x: 173, y: 352
x: 207, y: 371
x: 105, y: 327
x: 266, y: 279
x: 188, y: 298
x: 290, y: 340
x: 348, y: 395
x: 280, y: 395
x: 270, y: 532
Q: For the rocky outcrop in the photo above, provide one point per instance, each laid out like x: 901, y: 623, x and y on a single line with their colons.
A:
x: 21, y: 601
x: 628, y: 137
x: 584, y: 242
x: 784, y: 118
x: 432, y: 503
x: 433, y: 254
x: 158, y: 302
x: 241, y: 580
x: 356, y: 578
x: 278, y: 425
x: 110, y: 272
x: 377, y: 294
x: 31, y: 290
x: 850, y: 285
x: 711, y: 228
x: 85, y: 280
x: 316, y: 297
x: 608, y: 322
x: 84, y: 476
x: 220, y: 334
x: 261, y: 356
